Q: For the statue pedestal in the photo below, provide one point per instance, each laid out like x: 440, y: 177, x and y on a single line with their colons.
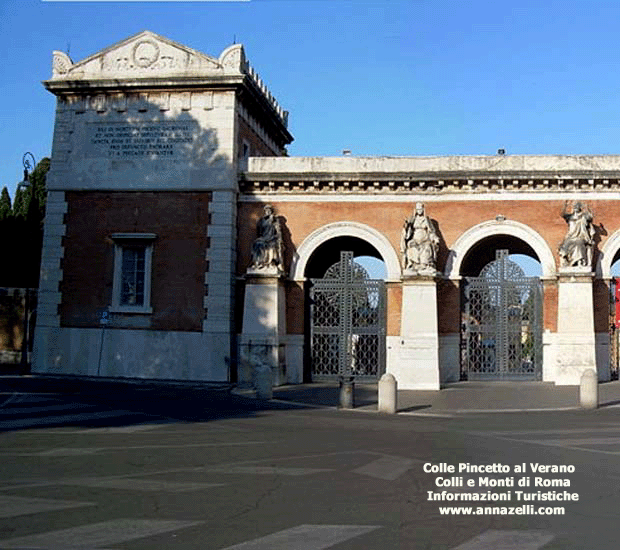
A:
x: 575, y: 339
x: 416, y: 364
x: 264, y: 328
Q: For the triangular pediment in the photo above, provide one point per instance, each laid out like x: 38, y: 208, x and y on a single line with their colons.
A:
x: 145, y: 54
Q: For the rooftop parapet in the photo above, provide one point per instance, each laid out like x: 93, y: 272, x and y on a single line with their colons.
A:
x: 432, y: 175
x: 556, y: 166
x: 148, y: 59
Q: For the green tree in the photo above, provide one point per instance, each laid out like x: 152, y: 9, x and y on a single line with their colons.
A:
x: 38, y: 187
x: 22, y: 232
x: 5, y: 204
x: 20, y: 203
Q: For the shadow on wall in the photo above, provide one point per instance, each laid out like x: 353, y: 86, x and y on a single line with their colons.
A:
x: 171, y: 163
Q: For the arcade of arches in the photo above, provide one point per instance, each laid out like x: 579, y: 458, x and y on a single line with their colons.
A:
x: 465, y: 321
x: 172, y: 158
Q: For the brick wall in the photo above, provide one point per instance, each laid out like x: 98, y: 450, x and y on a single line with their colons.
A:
x: 452, y: 219
x: 258, y: 146
x: 180, y: 222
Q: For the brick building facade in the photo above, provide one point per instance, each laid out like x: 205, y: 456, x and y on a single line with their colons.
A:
x: 163, y: 162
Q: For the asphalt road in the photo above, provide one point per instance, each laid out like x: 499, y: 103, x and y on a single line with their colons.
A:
x: 160, y: 469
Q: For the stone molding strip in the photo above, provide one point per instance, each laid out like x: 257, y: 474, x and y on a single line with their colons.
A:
x: 253, y: 183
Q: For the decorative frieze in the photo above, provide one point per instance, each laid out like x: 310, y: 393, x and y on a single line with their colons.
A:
x: 252, y: 183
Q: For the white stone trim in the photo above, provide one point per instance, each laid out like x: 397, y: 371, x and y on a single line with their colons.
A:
x: 494, y: 227
x: 345, y: 229
x: 606, y: 255
x: 120, y: 241
x: 52, y: 253
x: 509, y: 166
x: 221, y: 255
x: 411, y: 197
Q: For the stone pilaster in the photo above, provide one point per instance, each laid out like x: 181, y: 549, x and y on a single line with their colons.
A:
x: 219, y: 279
x: 416, y: 363
x: 49, y: 298
x: 575, y: 340
x: 264, y: 329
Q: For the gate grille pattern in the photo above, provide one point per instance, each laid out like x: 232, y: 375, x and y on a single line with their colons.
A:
x: 614, y: 328
x: 347, y: 323
x: 502, y: 323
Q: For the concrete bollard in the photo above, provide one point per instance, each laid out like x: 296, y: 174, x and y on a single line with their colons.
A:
x: 588, y: 390
x: 388, y: 395
x: 347, y: 392
x: 263, y: 382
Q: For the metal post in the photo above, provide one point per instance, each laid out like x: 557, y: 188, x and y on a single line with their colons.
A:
x: 26, y: 183
x: 347, y: 385
x: 347, y: 392
x: 24, y: 360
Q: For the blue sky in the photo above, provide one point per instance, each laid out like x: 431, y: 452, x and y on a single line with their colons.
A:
x: 379, y: 78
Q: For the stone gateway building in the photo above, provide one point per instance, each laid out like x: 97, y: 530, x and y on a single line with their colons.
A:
x: 182, y: 243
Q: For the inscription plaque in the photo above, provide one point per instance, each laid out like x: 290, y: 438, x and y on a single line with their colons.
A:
x: 167, y: 140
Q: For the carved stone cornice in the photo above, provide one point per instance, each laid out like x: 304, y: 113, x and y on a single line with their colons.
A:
x: 264, y: 183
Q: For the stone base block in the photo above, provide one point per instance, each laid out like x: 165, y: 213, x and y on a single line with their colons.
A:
x: 127, y: 353
x: 449, y: 358
x: 574, y: 355
x: 414, y: 362
x: 256, y: 353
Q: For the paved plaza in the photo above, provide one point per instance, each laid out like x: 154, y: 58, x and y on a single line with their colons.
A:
x: 135, y: 466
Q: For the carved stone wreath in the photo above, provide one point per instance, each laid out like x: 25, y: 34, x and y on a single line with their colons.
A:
x: 145, y: 53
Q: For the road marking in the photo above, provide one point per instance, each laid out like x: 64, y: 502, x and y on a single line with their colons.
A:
x: 9, y: 399
x: 17, y: 506
x: 13, y: 411
x: 141, y: 484
x: 96, y: 535
x: 306, y: 537
x: 76, y: 451
x: 389, y: 468
x: 507, y: 540
x: 582, y: 441
x: 611, y: 428
x: 62, y: 419
x: 128, y: 429
x: 265, y: 470
x: 576, y: 444
x: 67, y: 452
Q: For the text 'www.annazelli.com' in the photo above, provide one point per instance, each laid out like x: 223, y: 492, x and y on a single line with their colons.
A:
x: 525, y: 510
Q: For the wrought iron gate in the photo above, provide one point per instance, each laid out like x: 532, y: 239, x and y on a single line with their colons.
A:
x: 502, y: 323
x: 347, y: 323
x: 614, y: 328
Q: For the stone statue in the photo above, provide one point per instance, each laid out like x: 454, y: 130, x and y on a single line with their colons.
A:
x: 577, y: 247
x: 267, y: 248
x: 419, y: 243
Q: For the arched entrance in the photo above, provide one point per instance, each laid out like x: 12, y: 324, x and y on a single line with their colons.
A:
x: 502, y: 323
x: 346, y: 311
x: 608, y: 267
x: 501, y: 313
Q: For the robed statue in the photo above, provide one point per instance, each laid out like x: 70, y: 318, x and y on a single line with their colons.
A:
x: 419, y: 243
x: 267, y: 248
x: 576, y: 250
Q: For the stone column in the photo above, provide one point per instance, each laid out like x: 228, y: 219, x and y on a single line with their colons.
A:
x: 417, y: 364
x: 575, y: 340
x: 264, y: 327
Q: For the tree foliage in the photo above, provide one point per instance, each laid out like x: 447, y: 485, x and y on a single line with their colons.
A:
x: 5, y: 204
x: 21, y: 230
